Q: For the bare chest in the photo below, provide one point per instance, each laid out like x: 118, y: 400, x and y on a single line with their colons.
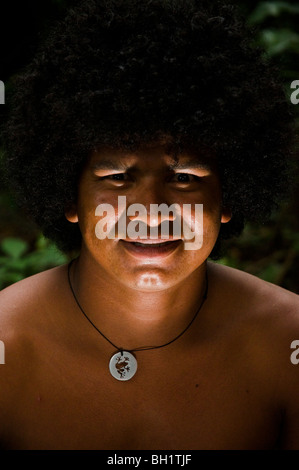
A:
x: 170, y: 404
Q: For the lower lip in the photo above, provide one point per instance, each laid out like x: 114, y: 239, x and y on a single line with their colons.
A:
x: 150, y: 250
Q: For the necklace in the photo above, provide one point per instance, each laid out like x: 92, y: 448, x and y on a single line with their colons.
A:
x: 123, y: 363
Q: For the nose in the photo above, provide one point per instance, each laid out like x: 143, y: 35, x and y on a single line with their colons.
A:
x: 150, y: 205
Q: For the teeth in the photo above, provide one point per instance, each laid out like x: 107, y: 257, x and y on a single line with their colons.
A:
x: 150, y: 244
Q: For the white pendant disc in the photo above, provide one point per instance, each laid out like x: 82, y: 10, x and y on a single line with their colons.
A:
x: 123, y: 365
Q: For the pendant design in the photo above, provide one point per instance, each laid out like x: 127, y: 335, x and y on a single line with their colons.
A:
x: 123, y: 365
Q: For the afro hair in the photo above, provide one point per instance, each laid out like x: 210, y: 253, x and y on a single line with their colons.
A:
x: 121, y: 73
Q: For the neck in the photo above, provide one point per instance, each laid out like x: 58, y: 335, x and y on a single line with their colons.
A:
x: 131, y: 318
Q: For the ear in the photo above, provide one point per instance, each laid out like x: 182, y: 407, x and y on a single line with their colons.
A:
x: 226, y: 215
x: 71, y: 214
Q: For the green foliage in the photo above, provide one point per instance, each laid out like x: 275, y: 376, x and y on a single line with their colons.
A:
x: 264, y: 10
x: 279, y: 41
x: 278, y: 34
x: 271, y: 252
x: 18, y: 261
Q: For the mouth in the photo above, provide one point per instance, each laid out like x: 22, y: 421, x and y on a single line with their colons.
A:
x: 151, y: 248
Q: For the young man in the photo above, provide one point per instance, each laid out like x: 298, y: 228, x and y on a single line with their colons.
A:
x: 141, y: 343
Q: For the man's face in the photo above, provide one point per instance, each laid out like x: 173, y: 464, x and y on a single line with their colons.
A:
x: 146, y: 177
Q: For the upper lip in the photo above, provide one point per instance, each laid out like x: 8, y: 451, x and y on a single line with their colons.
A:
x: 149, y: 241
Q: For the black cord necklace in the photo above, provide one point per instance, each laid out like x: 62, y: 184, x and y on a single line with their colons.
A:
x: 123, y: 364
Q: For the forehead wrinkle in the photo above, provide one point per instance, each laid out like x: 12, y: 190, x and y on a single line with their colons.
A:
x: 196, y: 164
x: 172, y: 161
x: 110, y: 165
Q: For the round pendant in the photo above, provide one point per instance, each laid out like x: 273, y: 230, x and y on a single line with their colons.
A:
x: 123, y: 365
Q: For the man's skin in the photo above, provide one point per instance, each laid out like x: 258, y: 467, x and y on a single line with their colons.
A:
x: 226, y: 383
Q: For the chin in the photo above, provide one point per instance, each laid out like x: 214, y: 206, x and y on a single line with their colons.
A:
x: 150, y: 283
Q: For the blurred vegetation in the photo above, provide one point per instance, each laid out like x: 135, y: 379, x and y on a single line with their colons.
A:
x: 19, y: 259
x: 270, y: 251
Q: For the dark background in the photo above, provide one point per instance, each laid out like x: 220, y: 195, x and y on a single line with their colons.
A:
x: 270, y: 251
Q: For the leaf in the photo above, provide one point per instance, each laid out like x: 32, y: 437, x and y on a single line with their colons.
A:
x: 271, y: 272
x: 278, y: 41
x: 15, y: 264
x: 40, y: 260
x: 14, y: 247
x: 11, y: 278
x: 265, y: 10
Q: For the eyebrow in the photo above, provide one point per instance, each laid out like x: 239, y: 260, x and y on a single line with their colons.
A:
x: 197, y: 164
x: 122, y: 166
x: 109, y: 165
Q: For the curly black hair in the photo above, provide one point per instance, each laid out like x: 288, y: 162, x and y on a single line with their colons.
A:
x: 123, y: 73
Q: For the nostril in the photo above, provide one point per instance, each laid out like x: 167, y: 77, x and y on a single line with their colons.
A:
x: 155, y: 214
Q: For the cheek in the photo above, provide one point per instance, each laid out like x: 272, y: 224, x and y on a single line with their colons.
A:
x: 211, y: 220
x: 213, y: 206
x: 87, y: 222
x: 98, y: 215
x: 86, y: 208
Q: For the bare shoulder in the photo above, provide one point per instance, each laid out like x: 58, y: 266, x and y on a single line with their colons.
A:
x: 20, y: 302
x: 264, y: 316
x: 258, y: 298
x: 28, y: 316
x: 29, y: 311
x: 266, y: 319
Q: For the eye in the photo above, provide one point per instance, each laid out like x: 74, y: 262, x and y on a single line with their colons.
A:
x: 185, y: 178
x: 118, y: 177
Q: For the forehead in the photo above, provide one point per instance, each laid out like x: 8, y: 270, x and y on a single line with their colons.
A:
x: 153, y: 156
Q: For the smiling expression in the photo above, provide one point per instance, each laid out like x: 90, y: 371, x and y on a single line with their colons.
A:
x: 148, y: 176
